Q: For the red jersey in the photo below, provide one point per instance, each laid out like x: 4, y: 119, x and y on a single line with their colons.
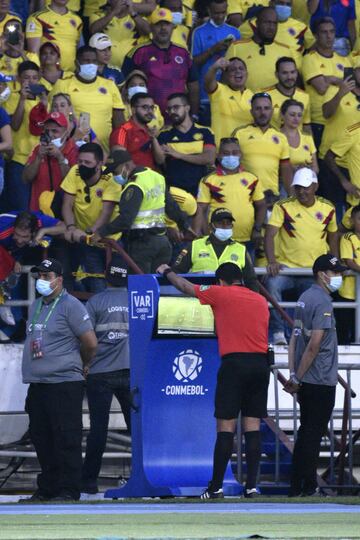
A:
x: 241, y: 317
x: 136, y: 140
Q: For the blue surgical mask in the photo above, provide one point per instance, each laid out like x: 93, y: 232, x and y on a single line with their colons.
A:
x: 88, y: 72
x: 283, y: 12
x: 230, y: 162
x: 120, y: 179
x: 335, y: 283
x: 177, y: 17
x: 43, y: 287
x: 223, y: 234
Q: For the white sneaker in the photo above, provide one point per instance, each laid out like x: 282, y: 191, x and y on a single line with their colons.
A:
x: 279, y: 338
x: 7, y: 316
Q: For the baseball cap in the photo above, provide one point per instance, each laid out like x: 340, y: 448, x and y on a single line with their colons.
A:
x: 100, y: 41
x: 304, y: 177
x: 328, y: 262
x: 37, y: 117
x: 132, y: 74
x: 50, y: 44
x: 6, y: 78
x: 59, y: 119
x: 117, y: 271
x: 49, y: 265
x: 116, y: 157
x: 220, y: 214
x: 160, y: 14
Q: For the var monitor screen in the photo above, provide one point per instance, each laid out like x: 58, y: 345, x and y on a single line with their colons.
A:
x: 180, y: 315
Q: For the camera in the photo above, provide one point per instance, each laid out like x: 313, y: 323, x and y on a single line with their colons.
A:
x: 45, y: 138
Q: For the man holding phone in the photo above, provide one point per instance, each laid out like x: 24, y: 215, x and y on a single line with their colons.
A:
x: 14, y: 52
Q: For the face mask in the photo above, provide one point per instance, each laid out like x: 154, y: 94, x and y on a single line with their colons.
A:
x: 86, y: 172
x: 177, y: 17
x: 88, y: 71
x: 136, y: 90
x: 58, y: 142
x: 223, y: 234
x: 283, y: 12
x: 335, y: 283
x: 120, y: 179
x: 80, y: 143
x: 43, y: 287
x: 5, y: 94
x: 230, y: 162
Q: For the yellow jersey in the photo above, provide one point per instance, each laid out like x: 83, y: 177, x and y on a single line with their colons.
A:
x: 86, y: 213
x: 262, y: 153
x: 302, y: 230
x: 301, y: 156
x: 230, y: 109
x: 63, y: 30
x: 237, y: 192
x: 348, y: 147
x: 242, y: 6
x: 300, y: 11
x: 9, y: 66
x: 314, y: 65
x: 278, y: 99
x: 73, y: 5
x: 185, y: 200
x: 349, y: 249
x: 260, y: 67
x: 346, y: 220
x: 99, y: 98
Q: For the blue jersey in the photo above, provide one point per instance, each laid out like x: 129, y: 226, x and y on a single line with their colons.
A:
x: 7, y: 227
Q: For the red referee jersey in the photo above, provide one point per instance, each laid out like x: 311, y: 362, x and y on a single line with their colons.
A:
x: 241, y: 317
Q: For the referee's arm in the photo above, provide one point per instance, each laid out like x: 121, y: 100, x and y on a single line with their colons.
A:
x: 179, y: 282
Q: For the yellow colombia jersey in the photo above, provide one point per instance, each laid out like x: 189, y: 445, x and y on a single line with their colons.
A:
x: 302, y: 231
x: 262, y: 153
x: 23, y: 141
x: 185, y: 200
x: 230, y: 109
x: 73, y: 5
x: 9, y: 66
x: 300, y: 11
x: 237, y: 192
x: 278, y: 99
x: 260, y: 61
x: 349, y: 249
x: 314, y: 65
x: 99, y: 98
x: 347, y: 113
x: 348, y: 147
x: 242, y: 6
x: 49, y: 86
x: 302, y: 155
x: 64, y: 30
x: 86, y: 213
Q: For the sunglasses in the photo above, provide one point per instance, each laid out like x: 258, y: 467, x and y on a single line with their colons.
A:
x: 87, y: 194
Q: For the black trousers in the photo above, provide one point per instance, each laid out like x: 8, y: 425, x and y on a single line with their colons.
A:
x: 55, y: 414
x: 316, y: 405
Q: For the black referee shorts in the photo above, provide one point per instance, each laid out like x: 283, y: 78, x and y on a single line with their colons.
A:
x: 242, y: 385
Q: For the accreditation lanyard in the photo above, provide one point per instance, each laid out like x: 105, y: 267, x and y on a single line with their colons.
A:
x: 38, y: 311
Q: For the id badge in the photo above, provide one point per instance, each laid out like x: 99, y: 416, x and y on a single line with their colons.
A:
x: 36, y: 348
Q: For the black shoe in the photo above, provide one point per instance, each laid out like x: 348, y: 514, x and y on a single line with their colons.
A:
x: 211, y: 494
x: 251, y: 493
x: 36, y: 497
x: 90, y: 489
x: 66, y: 497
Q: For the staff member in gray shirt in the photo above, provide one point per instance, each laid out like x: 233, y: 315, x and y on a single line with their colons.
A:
x: 313, y: 363
x: 60, y: 343
x: 109, y: 373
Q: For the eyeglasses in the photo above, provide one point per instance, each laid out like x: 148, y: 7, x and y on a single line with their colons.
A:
x: 87, y: 194
x: 146, y: 107
x: 173, y: 108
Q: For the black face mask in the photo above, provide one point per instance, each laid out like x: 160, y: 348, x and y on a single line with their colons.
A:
x: 86, y: 172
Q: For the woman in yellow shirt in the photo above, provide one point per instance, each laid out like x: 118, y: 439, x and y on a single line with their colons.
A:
x: 302, y: 147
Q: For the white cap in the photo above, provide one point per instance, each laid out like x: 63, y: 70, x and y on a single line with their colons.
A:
x: 304, y: 177
x: 100, y: 41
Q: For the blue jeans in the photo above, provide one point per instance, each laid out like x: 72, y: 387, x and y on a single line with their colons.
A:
x: 92, y: 260
x: 100, y: 389
x: 276, y: 286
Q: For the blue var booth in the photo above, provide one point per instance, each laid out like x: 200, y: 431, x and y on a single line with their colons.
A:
x: 174, y: 361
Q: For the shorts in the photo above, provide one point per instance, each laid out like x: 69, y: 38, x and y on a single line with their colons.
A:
x: 242, y: 385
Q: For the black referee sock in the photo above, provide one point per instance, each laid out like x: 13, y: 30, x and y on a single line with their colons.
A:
x: 222, y: 454
x: 252, y: 456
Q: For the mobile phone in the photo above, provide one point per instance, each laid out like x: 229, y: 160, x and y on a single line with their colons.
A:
x: 37, y: 89
x: 12, y: 34
x: 84, y: 121
x: 348, y: 72
x: 45, y: 138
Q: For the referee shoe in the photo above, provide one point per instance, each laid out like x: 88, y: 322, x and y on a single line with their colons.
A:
x: 211, y: 494
x: 252, y: 493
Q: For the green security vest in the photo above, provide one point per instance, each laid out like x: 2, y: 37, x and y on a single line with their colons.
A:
x: 152, y: 210
x: 204, y: 259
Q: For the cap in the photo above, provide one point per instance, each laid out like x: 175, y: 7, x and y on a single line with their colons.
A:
x: 117, y: 271
x: 49, y: 265
x: 304, y: 177
x: 116, y: 157
x: 50, y: 44
x: 160, y: 14
x: 328, y: 262
x: 59, y: 119
x: 100, y: 41
x: 6, y: 78
x: 220, y: 214
x: 37, y: 117
x: 132, y: 74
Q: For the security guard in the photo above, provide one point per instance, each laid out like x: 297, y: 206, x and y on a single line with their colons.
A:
x: 143, y: 204
x: 206, y: 254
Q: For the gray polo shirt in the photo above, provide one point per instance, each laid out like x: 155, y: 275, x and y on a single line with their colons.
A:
x: 314, y: 311
x: 109, y: 314
x: 59, y: 341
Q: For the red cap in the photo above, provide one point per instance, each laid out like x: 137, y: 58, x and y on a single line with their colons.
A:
x: 53, y: 45
x: 59, y: 119
x: 37, y: 117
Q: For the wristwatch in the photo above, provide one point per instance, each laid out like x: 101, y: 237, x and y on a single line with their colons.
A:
x: 294, y: 379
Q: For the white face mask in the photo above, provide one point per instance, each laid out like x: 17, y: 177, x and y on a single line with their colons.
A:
x: 335, y: 283
x: 230, y: 162
x: 5, y: 94
x: 177, y: 17
x: 88, y: 71
x: 58, y: 142
x: 223, y: 234
x: 136, y: 90
x: 43, y: 287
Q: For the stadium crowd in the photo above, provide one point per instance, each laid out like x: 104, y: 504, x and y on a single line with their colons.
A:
x: 136, y: 120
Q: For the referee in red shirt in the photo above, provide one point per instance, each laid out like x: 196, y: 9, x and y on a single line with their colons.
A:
x: 242, y: 321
